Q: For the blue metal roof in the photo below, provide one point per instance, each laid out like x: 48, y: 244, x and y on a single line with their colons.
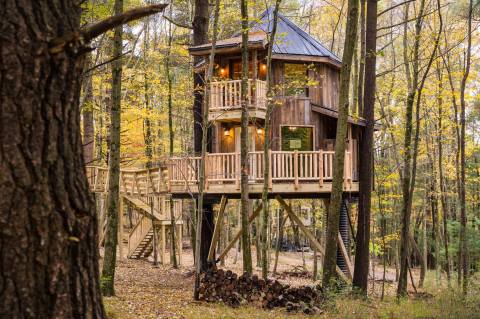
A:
x: 290, y: 39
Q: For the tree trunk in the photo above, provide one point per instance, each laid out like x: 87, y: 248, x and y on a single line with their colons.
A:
x: 463, y: 249
x: 333, y: 221
x: 361, y: 71
x: 48, y: 233
x: 111, y: 234
x: 360, y: 277
x: 244, y: 165
x: 171, y: 137
x: 266, y: 142
x: 87, y: 111
x: 281, y: 223
x: 200, y: 36
x: 314, y: 232
x: 204, y: 234
x: 146, y: 85
x: 443, y: 195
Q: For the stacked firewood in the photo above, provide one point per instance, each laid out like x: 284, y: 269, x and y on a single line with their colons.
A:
x: 234, y: 290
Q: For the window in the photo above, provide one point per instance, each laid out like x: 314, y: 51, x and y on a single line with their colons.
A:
x: 298, y: 138
x: 296, y: 79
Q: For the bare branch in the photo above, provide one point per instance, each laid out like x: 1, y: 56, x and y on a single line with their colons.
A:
x: 178, y: 24
x: 91, y: 31
x: 393, y: 7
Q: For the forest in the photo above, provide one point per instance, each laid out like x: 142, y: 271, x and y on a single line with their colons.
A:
x: 240, y: 159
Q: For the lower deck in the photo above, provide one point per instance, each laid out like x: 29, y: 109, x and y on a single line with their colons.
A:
x: 292, y: 174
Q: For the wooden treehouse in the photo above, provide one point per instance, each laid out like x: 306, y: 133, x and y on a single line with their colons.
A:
x: 144, y: 211
x: 306, y: 78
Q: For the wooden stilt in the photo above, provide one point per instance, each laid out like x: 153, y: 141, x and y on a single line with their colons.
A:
x: 180, y: 246
x: 162, y: 247
x: 239, y: 233
x: 313, y: 241
x: 218, y: 228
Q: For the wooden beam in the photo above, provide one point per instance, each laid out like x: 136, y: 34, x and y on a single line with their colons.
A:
x: 343, y: 249
x: 216, y: 231
x: 239, y: 233
x: 313, y: 241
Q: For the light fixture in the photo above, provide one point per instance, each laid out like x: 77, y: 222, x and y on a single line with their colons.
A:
x: 226, y: 132
x: 292, y: 128
x: 264, y: 67
x: 222, y: 71
x: 259, y: 131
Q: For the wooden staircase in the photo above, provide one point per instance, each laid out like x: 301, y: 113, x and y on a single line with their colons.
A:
x: 140, y: 241
x: 144, y: 248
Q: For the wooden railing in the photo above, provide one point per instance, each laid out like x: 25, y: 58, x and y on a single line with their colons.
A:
x: 226, y: 95
x: 296, y: 167
x: 141, y: 182
x: 138, y: 233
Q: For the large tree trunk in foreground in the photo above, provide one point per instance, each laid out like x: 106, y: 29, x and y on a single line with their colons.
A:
x: 333, y: 219
x: 111, y: 233
x: 362, y: 252
x: 48, y: 227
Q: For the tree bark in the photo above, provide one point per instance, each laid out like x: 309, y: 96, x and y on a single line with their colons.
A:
x: 111, y: 234
x: 463, y: 249
x: 362, y: 255
x: 244, y: 165
x: 204, y: 229
x: 266, y: 142
x: 443, y: 195
x: 171, y: 137
x: 200, y: 36
x: 333, y: 220
x: 148, y: 138
x: 48, y: 227
x: 87, y: 111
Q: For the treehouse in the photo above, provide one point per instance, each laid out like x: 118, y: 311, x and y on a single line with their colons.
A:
x: 303, y: 122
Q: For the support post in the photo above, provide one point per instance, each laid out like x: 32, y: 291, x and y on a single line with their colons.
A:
x: 217, y: 230
x: 320, y: 168
x: 295, y: 167
x: 162, y: 247
x: 180, y: 245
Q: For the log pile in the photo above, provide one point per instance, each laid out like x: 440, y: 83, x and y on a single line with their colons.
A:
x: 228, y: 287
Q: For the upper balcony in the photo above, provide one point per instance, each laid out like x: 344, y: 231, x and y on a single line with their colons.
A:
x: 226, y: 101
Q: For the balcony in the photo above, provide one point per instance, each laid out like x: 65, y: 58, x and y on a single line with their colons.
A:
x: 290, y: 172
x: 226, y: 102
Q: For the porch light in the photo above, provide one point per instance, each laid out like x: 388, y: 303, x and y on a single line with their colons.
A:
x: 263, y: 67
x: 222, y: 71
x: 226, y: 132
x: 259, y: 131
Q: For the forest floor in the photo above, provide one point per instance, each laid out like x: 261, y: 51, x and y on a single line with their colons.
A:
x: 144, y: 291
